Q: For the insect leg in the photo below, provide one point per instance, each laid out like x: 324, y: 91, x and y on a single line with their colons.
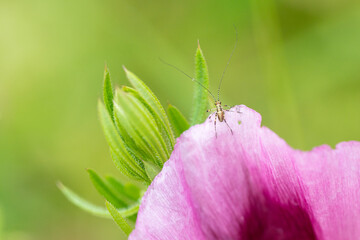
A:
x: 211, y: 110
x: 215, y: 124
x: 227, y: 110
x: 227, y: 107
x: 229, y: 127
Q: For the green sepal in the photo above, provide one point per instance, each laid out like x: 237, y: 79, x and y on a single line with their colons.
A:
x: 177, y: 120
x: 151, y: 126
x: 108, y: 92
x: 93, y: 209
x: 128, y: 130
x: 121, y: 157
x: 159, y: 122
x: 82, y: 203
x: 120, y: 221
x: 105, y: 190
x: 151, y: 170
x: 134, y: 150
x: 141, y: 127
x: 128, y: 193
x: 200, y: 104
x: 152, y: 100
x: 124, y: 169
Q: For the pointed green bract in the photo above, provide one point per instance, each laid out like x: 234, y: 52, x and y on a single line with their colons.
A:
x: 152, y: 100
x: 94, y: 209
x: 140, y: 126
x: 177, y: 120
x: 105, y: 190
x: 121, y: 122
x: 200, y: 104
x: 123, y: 166
x: 127, y: 122
x: 122, y: 158
x: 151, y: 170
x: 108, y: 92
x: 140, y: 118
x: 160, y: 123
x: 130, y: 210
x: 120, y: 221
x: 82, y: 203
x: 128, y: 193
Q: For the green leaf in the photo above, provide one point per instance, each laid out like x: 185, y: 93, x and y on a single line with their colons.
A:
x: 105, y: 190
x: 177, y: 120
x: 121, y: 157
x: 201, y: 94
x: 152, y: 100
x: 108, y: 92
x: 82, y: 203
x: 121, y: 222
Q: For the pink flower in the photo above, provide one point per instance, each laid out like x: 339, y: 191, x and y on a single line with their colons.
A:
x: 252, y: 185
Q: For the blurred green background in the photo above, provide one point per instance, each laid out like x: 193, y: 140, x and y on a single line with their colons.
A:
x: 297, y: 63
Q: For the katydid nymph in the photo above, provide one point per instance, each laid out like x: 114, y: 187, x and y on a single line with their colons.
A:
x: 218, y: 110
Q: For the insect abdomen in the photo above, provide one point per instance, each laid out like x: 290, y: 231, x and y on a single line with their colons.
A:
x: 221, y: 116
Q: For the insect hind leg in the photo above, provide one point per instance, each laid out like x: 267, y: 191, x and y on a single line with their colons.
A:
x: 216, y: 115
x: 235, y: 111
x: 229, y: 109
x: 229, y: 127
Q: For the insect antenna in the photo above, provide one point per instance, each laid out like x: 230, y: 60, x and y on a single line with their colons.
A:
x: 232, y: 53
x: 192, y: 79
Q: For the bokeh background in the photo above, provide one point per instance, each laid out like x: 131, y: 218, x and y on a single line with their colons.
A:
x: 297, y: 63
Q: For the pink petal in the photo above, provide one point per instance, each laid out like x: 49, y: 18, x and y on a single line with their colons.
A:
x: 331, y: 181
x: 166, y: 209
x: 250, y: 185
